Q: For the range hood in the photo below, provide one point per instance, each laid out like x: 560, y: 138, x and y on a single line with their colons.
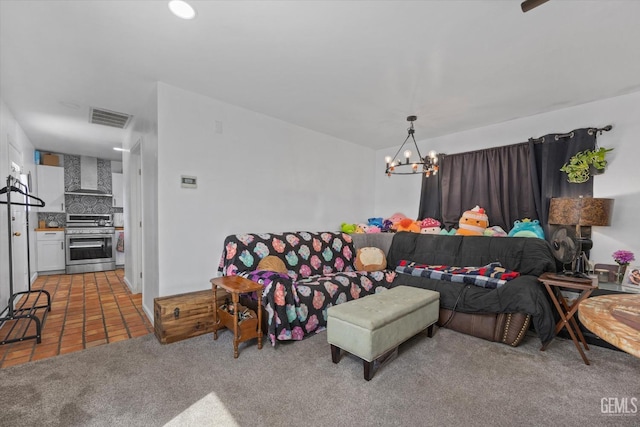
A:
x: 88, y: 178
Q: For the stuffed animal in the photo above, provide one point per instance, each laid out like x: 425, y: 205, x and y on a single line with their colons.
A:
x: 473, y: 222
x: 495, y: 231
x: 361, y: 228
x: 395, y: 219
x: 272, y: 263
x: 348, y: 228
x: 408, y: 224
x: 430, y: 226
x: 386, y: 225
x: 375, y: 222
x: 370, y: 259
x: 371, y: 229
x: 527, y: 228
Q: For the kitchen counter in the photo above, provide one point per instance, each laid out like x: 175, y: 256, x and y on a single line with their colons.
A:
x: 50, y: 229
x: 119, y: 228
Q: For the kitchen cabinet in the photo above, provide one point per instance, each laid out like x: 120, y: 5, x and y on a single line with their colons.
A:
x: 51, y: 251
x: 51, y: 188
x: 117, y: 190
x: 119, y: 250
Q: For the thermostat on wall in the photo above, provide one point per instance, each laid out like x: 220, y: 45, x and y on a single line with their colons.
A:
x: 188, y: 181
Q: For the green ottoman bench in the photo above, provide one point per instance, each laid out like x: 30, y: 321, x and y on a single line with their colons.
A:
x: 374, y: 326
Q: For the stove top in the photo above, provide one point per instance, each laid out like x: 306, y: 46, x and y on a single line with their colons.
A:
x: 90, y: 230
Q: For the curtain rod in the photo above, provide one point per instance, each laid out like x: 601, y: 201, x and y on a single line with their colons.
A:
x: 591, y: 131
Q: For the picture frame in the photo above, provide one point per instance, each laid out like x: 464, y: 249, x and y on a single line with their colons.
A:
x: 631, y: 280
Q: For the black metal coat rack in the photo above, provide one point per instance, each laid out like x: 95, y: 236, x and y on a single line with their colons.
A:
x: 26, y: 304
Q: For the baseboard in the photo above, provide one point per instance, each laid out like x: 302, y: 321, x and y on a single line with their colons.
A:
x: 148, y: 312
x: 126, y: 281
x: 34, y: 277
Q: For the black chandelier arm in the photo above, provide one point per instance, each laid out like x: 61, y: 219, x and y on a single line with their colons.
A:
x: 395, y: 156
x: 415, y: 144
x: 400, y: 149
x: 417, y: 149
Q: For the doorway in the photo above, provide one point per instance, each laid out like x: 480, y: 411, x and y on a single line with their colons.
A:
x: 20, y: 253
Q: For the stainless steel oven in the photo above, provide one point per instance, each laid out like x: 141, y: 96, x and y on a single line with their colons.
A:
x: 90, y: 243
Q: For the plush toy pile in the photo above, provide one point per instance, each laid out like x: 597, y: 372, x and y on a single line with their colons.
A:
x: 474, y: 222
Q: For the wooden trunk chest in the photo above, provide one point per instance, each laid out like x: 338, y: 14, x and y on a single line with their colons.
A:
x: 178, y: 317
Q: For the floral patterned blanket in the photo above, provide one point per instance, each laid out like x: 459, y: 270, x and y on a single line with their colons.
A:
x: 320, y: 274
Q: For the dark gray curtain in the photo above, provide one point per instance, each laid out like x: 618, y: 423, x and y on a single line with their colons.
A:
x: 549, y: 154
x: 431, y: 195
x: 511, y: 182
x: 498, y: 179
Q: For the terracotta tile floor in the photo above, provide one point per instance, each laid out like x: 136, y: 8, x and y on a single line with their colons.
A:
x: 87, y: 310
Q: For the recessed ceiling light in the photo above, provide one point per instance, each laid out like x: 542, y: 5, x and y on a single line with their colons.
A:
x: 121, y: 149
x: 182, y: 9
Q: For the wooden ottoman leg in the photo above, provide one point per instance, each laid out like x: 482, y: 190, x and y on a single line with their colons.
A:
x: 335, y: 353
x: 431, y: 330
x: 368, y: 369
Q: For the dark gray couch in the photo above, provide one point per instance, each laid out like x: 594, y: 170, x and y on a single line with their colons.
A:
x: 496, y: 314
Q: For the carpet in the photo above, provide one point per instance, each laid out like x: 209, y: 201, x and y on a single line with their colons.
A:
x: 450, y: 379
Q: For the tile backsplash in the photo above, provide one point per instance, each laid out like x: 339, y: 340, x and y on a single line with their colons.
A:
x: 59, y: 217
x: 72, y: 175
x: 88, y: 204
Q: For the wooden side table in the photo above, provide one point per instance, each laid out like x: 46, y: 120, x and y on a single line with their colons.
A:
x: 248, y: 328
x: 553, y: 283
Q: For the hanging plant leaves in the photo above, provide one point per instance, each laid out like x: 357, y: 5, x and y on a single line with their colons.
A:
x: 579, y: 167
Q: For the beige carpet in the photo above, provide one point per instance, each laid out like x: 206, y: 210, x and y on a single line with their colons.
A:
x: 451, y: 379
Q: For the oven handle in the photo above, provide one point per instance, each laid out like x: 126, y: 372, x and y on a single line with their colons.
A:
x: 84, y: 246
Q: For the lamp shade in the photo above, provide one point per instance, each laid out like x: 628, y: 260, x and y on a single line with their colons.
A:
x: 584, y: 211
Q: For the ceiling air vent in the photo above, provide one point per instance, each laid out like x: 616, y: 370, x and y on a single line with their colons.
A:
x: 100, y: 116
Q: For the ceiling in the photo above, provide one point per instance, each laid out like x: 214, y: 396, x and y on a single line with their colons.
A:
x: 350, y: 69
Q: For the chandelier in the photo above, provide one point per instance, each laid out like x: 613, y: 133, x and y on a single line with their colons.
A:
x: 427, y: 165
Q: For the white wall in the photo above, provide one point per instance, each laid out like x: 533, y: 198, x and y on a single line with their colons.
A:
x: 259, y: 175
x: 145, y: 131
x: 621, y: 180
x: 10, y: 130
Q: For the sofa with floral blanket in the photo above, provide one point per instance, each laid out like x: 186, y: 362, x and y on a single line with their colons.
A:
x: 320, y: 273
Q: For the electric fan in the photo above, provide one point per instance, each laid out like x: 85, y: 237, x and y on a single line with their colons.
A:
x: 566, y: 249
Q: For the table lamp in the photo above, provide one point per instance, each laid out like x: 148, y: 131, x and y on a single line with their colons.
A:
x: 580, y: 212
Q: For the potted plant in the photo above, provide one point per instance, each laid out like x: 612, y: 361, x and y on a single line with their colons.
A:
x: 598, y: 161
x: 585, y: 163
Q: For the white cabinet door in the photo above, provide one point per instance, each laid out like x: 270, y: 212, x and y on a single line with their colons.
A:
x: 117, y: 190
x: 51, y: 188
x: 51, y: 254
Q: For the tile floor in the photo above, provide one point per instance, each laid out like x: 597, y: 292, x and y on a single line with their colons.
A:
x: 87, y: 310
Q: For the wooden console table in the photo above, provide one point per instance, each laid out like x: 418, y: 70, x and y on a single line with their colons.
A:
x: 615, y: 319
x: 553, y: 283
x: 246, y: 329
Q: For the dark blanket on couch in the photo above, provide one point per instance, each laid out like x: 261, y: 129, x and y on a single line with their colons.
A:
x: 529, y: 256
